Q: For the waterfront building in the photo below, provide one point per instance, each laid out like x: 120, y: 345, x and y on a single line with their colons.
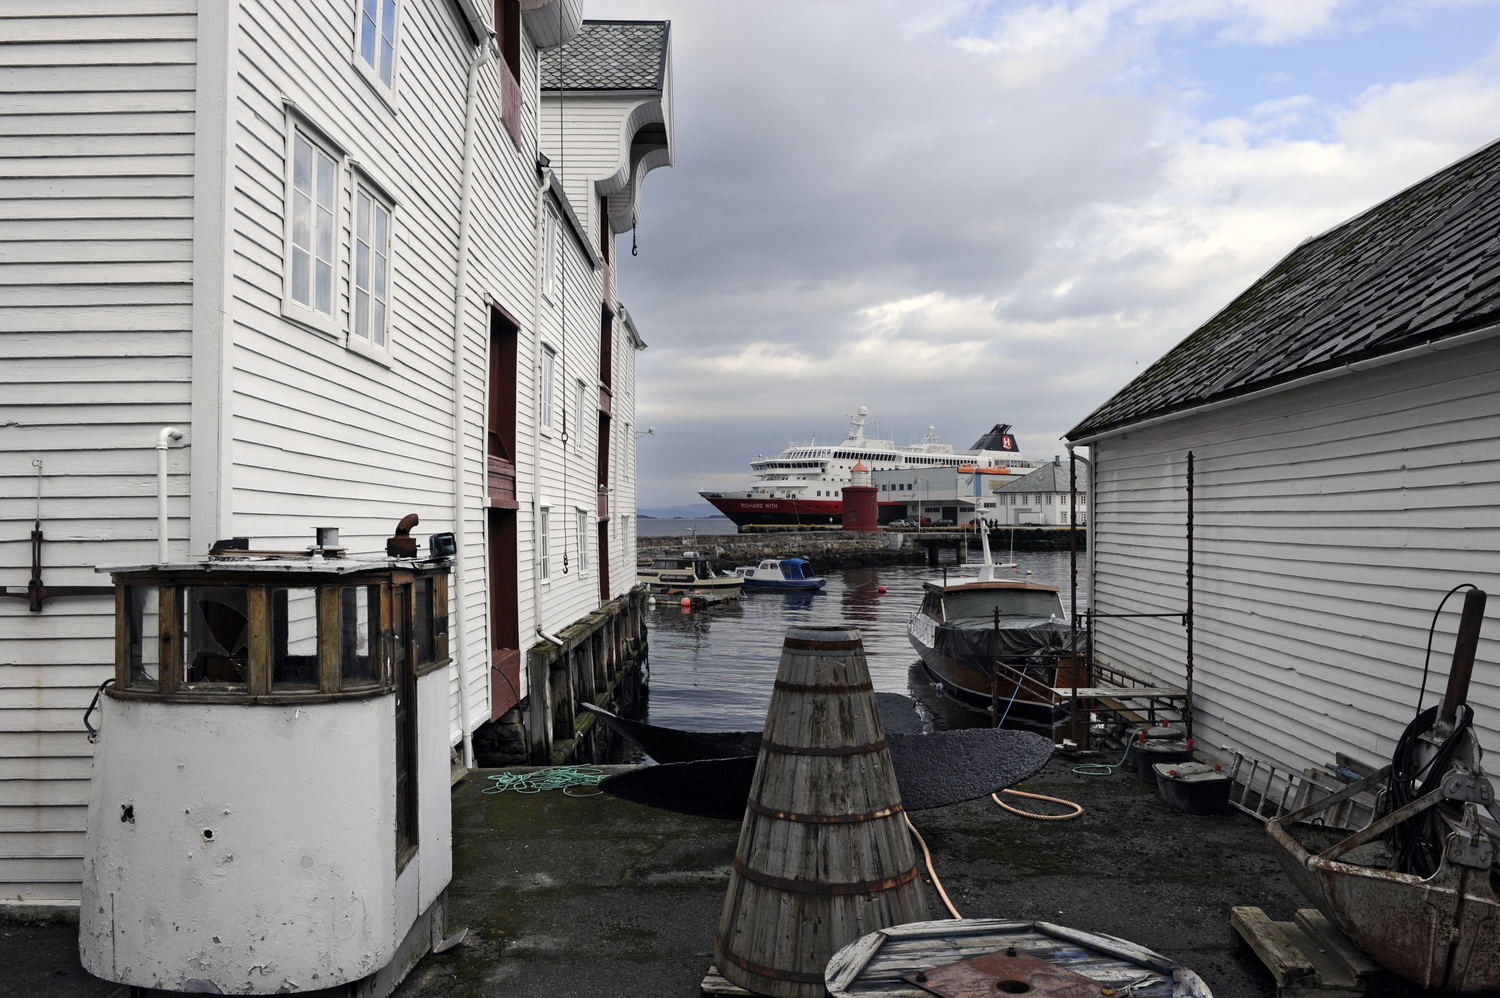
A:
x: 1040, y: 498
x: 334, y: 247
x: 1343, y: 421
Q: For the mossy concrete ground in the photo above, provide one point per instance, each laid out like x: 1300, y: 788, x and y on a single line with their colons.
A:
x: 594, y: 896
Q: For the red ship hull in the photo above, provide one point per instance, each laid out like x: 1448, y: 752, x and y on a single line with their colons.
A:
x: 758, y: 512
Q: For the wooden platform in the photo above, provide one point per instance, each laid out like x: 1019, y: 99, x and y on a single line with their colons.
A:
x: 1309, y: 957
x: 1121, y: 692
x: 714, y: 984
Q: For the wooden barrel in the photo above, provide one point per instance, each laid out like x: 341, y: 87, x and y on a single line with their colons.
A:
x: 824, y: 856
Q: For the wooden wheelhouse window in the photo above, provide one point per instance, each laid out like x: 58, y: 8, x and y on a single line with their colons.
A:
x: 255, y: 640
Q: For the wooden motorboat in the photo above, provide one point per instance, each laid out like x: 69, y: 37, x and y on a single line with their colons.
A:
x: 996, y: 641
x: 1418, y: 887
x: 684, y: 574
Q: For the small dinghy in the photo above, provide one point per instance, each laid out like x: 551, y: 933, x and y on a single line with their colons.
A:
x: 991, y: 956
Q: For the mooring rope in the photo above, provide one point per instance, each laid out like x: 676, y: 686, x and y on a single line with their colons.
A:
x: 1077, y: 808
x: 931, y: 872
x: 563, y: 778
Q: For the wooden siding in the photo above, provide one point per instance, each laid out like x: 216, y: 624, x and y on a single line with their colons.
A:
x: 96, y: 178
x: 1329, y: 523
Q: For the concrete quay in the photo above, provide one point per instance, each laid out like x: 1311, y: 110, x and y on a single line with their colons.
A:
x: 595, y: 897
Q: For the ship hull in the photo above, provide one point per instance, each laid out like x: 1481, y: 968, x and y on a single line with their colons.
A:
x: 744, y: 511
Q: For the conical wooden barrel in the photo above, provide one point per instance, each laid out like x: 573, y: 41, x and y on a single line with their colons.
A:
x: 824, y: 855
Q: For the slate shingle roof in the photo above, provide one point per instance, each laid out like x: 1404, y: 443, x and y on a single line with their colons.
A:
x: 1422, y: 266
x: 609, y: 55
x: 1050, y: 477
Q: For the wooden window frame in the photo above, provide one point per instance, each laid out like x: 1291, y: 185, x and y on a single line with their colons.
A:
x: 258, y: 687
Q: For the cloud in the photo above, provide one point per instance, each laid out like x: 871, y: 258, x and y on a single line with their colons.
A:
x: 965, y: 213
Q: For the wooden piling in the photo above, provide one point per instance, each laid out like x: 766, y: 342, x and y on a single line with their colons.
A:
x: 824, y: 856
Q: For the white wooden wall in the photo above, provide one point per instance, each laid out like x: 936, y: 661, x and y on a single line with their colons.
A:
x: 99, y: 121
x: 96, y: 185
x: 1329, y: 522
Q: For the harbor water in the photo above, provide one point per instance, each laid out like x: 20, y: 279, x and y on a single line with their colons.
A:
x: 681, y: 526
x: 711, y: 668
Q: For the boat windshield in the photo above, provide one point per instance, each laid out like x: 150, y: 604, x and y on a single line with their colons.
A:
x: 980, y: 604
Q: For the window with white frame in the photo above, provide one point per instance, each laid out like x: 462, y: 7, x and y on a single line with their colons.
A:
x: 579, y: 410
x: 549, y: 254
x: 544, y: 545
x: 311, y: 228
x: 369, y: 325
x: 549, y: 378
x: 376, y: 45
x: 583, y: 540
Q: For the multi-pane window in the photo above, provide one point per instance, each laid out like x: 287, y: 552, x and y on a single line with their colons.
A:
x: 544, y: 545
x: 377, y: 37
x: 579, y: 410
x: 310, y: 224
x: 372, y: 260
x: 583, y: 540
x: 549, y: 254
x: 549, y: 377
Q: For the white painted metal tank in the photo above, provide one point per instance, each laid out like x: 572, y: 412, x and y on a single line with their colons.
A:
x: 269, y: 805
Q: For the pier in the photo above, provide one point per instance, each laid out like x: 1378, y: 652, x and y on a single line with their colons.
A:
x: 830, y: 548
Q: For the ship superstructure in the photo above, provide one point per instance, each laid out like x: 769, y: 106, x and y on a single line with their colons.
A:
x: 804, y: 483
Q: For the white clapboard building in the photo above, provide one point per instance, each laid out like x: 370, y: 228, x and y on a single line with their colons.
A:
x: 328, y: 261
x: 1343, y: 421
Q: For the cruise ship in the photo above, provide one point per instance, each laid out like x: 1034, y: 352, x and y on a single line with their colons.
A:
x: 803, y: 485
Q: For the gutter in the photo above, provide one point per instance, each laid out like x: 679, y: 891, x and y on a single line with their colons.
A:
x: 460, y: 289
x: 1355, y: 367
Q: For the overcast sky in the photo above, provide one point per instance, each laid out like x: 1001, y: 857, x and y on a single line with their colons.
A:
x: 960, y: 214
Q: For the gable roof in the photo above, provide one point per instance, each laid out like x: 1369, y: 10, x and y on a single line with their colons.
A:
x: 609, y: 55
x: 1050, y: 477
x: 1422, y: 266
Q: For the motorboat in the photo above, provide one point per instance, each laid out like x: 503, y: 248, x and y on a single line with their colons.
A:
x: 686, y: 573
x: 788, y: 574
x: 998, y: 642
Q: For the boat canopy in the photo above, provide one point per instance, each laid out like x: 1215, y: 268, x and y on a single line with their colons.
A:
x: 1015, y: 640
x: 796, y: 568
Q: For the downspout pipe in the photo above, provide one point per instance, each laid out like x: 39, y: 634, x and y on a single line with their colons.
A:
x: 1088, y: 467
x: 459, y: 609
x: 538, y: 234
x: 163, y: 441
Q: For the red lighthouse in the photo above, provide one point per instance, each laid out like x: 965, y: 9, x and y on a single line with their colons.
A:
x: 861, y: 510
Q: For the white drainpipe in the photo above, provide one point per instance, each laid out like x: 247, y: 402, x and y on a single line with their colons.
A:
x: 460, y: 290
x: 538, y: 249
x: 163, y: 441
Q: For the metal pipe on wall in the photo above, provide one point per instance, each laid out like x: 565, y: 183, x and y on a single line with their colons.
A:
x: 163, y: 441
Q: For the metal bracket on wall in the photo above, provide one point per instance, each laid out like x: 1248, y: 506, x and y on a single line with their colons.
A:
x: 37, y: 592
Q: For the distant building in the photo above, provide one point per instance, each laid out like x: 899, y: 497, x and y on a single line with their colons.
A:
x: 1343, y: 416
x: 361, y: 256
x: 1040, y: 498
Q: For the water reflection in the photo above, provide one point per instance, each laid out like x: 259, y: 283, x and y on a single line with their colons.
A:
x: 711, y: 668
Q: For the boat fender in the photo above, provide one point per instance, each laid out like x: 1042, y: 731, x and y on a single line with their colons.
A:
x: 687, y: 601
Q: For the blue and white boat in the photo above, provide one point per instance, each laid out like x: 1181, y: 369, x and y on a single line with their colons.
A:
x: 781, y: 573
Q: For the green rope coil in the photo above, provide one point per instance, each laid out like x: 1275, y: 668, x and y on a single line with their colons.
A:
x: 564, y: 778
